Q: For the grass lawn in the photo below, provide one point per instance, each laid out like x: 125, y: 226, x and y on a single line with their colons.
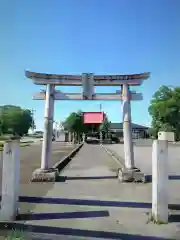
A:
x: 13, y: 235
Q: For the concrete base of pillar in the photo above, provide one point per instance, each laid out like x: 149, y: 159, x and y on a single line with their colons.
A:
x: 131, y: 175
x: 48, y: 175
x: 125, y: 175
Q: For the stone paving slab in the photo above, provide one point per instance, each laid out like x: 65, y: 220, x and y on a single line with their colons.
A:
x: 98, y: 207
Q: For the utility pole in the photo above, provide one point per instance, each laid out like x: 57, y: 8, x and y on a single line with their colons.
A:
x: 100, y: 107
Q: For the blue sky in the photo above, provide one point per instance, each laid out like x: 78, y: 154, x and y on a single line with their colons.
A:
x: 99, y: 36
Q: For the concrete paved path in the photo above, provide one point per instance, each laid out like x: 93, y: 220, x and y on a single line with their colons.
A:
x: 92, y: 162
x: 90, y: 202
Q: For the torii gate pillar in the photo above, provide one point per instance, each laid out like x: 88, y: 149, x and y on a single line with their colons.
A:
x: 48, y: 127
x: 127, y: 128
x: 46, y: 173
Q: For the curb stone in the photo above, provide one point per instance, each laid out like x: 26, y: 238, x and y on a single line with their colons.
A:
x: 63, y: 162
x: 114, y: 156
x: 52, y: 174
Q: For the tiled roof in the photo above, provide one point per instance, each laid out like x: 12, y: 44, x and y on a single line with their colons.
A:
x: 120, y: 126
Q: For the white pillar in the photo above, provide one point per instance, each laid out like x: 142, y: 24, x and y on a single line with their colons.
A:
x: 56, y: 131
x: 101, y: 137
x: 83, y: 137
x: 74, y: 138
x: 160, y: 181
x: 1, y: 160
x: 10, y: 180
x: 48, y: 127
x: 57, y: 135
x: 69, y: 137
x: 127, y: 128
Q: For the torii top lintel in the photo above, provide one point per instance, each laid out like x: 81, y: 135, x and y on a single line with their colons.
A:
x: 76, y: 80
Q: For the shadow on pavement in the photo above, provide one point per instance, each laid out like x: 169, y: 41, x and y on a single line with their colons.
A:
x: 174, y: 218
x: 83, y: 202
x: 65, y: 178
x: 171, y: 177
x: 77, y: 232
x: 174, y: 177
x: 88, y: 202
x: 62, y: 215
x: 88, y: 214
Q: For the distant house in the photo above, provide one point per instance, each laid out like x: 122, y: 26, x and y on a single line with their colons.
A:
x: 138, y: 131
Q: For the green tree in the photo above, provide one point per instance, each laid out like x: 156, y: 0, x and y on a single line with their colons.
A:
x: 15, y: 120
x: 165, y: 110
x: 75, y: 125
x: 73, y: 122
x: 105, y: 125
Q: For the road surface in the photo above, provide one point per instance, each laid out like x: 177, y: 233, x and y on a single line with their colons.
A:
x: 143, y: 156
x: 30, y: 159
x: 92, y: 202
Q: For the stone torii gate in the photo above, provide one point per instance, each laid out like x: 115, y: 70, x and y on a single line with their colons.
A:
x: 88, y: 81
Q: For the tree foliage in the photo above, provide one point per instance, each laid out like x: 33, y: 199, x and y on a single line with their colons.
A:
x: 105, y: 125
x: 15, y: 120
x: 165, y: 110
x: 74, y: 123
